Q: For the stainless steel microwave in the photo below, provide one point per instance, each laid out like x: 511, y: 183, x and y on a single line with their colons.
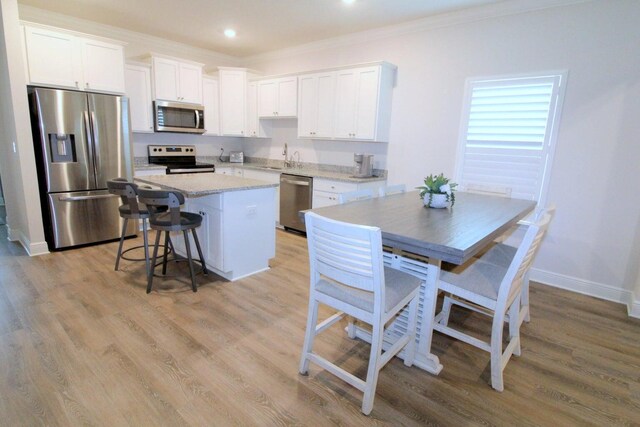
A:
x: 178, y: 117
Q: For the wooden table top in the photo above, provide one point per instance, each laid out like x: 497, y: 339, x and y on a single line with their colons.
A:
x: 453, y: 234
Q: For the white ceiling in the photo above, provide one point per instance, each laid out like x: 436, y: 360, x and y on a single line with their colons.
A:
x: 261, y: 25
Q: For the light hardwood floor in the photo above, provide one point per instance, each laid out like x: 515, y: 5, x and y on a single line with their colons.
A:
x: 83, y: 344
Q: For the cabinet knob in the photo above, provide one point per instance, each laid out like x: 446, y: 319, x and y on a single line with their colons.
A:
x: 77, y: 84
x: 86, y: 84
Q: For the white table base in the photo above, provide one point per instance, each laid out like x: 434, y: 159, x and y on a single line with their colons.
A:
x: 428, y: 272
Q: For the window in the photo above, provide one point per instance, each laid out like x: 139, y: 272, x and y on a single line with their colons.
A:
x: 508, y: 133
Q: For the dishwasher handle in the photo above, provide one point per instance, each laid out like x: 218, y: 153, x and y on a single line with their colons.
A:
x: 294, y: 182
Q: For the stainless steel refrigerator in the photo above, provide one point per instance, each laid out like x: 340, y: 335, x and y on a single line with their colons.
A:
x: 81, y: 141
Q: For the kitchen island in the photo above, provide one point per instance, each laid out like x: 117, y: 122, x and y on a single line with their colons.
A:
x: 237, y: 234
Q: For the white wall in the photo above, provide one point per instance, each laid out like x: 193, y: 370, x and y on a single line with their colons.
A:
x: 591, y: 244
x: 18, y: 168
x: 594, y: 242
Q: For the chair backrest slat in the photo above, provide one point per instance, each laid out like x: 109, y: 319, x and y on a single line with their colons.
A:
x: 346, y: 253
x: 392, y: 189
x: 353, y: 196
x: 522, y: 260
x: 488, y: 190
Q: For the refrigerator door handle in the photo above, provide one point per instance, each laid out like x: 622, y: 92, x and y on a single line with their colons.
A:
x: 90, y: 144
x: 81, y: 198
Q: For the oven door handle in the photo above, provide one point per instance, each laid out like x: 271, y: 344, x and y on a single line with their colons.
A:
x: 187, y: 170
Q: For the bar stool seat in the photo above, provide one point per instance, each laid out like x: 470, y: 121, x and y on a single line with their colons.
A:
x: 188, y: 220
x: 171, y: 220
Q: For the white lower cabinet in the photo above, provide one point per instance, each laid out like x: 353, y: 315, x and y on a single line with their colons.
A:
x: 272, y: 177
x: 237, y: 236
x: 326, y: 192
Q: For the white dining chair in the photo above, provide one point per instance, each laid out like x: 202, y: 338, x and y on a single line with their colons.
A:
x: 392, y: 189
x: 347, y: 274
x: 503, y: 252
x: 488, y: 190
x: 495, y: 291
x: 352, y: 196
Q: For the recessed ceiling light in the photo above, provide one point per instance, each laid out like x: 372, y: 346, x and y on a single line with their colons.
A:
x: 230, y: 33
x: 348, y: 1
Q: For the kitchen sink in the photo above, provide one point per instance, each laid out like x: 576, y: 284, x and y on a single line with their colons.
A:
x: 273, y: 168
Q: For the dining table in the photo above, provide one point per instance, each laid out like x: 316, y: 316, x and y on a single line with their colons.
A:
x: 418, y: 239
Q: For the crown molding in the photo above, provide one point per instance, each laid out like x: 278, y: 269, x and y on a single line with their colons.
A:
x: 168, y: 47
x: 464, y: 16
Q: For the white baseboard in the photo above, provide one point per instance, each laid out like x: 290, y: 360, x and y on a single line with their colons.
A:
x: 33, y: 249
x: 586, y: 287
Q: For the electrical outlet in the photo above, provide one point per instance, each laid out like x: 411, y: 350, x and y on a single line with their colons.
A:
x: 252, y: 210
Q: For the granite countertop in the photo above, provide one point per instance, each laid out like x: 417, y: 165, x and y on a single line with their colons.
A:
x: 313, y: 170
x: 306, y: 171
x: 149, y: 167
x: 203, y: 184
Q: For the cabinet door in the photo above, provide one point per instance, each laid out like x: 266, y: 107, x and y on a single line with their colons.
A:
x: 307, y: 105
x: 325, y: 106
x: 190, y: 83
x: 252, y: 110
x: 210, y: 100
x: 367, y: 103
x: 165, y: 79
x: 103, y: 66
x: 346, y: 81
x: 233, y: 100
x: 267, y: 98
x: 287, y: 101
x: 53, y: 58
x: 316, y: 105
x: 138, y: 88
x: 324, y: 198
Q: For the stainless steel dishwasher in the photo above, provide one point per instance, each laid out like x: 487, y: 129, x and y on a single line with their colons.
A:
x: 295, y: 195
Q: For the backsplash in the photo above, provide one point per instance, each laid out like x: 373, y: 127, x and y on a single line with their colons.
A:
x: 140, y: 161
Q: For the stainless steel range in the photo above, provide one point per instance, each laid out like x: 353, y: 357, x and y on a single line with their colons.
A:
x: 178, y: 159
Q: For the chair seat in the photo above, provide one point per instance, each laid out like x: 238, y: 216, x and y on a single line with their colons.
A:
x: 476, y: 276
x: 499, y: 254
x: 187, y: 220
x: 398, y: 285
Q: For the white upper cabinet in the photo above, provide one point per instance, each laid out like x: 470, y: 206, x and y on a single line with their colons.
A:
x: 278, y: 97
x: 60, y: 59
x: 99, y: 60
x: 348, y: 104
x: 138, y: 89
x: 211, y: 102
x: 360, y: 112
x: 175, y: 80
x: 233, y: 101
x: 316, y: 105
x: 252, y: 110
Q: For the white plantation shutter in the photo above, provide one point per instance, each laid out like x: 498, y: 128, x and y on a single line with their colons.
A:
x: 507, y: 132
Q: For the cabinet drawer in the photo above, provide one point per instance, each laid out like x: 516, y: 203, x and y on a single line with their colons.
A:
x: 334, y: 186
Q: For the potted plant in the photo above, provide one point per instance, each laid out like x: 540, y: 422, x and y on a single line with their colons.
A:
x: 438, y: 191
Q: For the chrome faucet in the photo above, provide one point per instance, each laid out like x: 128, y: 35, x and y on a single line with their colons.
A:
x: 285, y: 153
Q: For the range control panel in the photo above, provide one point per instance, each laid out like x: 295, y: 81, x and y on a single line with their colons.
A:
x: 171, y: 150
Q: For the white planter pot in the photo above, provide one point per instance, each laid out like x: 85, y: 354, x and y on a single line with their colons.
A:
x: 437, y: 200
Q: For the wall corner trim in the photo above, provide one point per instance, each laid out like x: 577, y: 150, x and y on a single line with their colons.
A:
x: 633, y: 306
